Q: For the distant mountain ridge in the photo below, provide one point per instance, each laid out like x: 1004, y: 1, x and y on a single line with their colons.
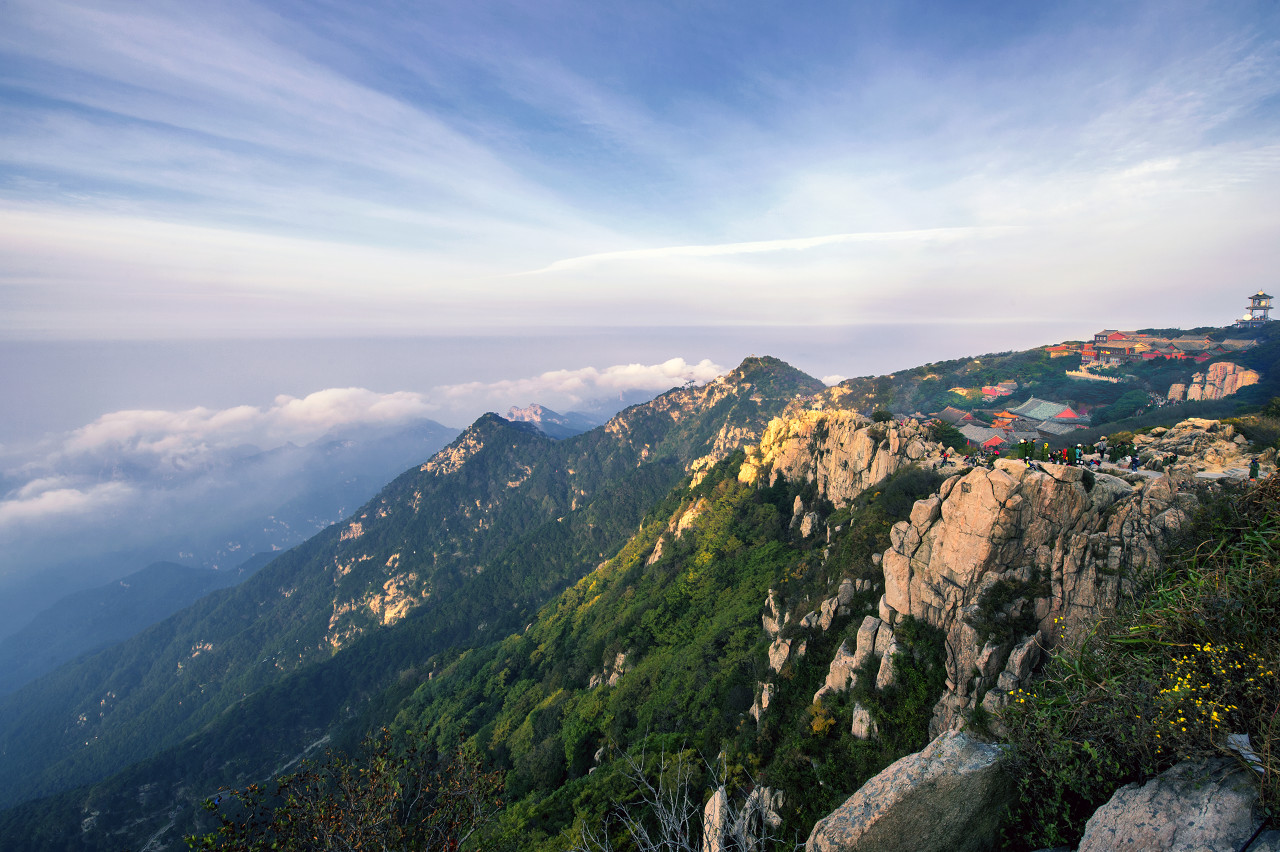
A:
x: 475, y: 540
x: 237, y: 502
x: 551, y: 423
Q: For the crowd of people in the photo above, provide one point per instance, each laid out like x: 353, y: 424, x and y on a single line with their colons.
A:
x: 1123, y: 454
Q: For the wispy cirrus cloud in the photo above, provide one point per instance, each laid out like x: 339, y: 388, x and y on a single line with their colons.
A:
x: 927, y: 235
x: 361, y: 167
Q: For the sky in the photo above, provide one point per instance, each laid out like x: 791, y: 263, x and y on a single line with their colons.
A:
x: 265, y: 169
x: 263, y: 221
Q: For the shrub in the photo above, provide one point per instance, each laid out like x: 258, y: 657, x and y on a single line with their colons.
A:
x: 949, y: 436
x: 1261, y: 430
x: 1191, y: 659
x: 393, y: 795
x: 994, y: 619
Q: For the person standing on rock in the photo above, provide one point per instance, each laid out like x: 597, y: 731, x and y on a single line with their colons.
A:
x: 1253, y: 469
x: 1102, y: 449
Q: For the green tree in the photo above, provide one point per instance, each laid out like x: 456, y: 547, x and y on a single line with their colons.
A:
x: 393, y: 797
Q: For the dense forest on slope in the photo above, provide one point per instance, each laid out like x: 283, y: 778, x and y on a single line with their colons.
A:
x: 252, y: 671
x: 661, y: 650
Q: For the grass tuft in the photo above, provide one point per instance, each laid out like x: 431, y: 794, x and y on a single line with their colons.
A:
x: 1189, y: 662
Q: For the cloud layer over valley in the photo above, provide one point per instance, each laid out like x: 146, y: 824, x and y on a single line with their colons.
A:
x: 210, y: 486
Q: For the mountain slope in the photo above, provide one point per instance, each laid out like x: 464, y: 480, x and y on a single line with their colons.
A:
x: 473, y: 540
x: 228, y: 504
x: 89, y: 620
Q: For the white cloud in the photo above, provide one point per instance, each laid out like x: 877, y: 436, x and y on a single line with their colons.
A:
x: 829, y: 381
x: 52, y: 497
x: 181, y: 440
x: 329, y: 409
x: 584, y: 383
x: 938, y: 235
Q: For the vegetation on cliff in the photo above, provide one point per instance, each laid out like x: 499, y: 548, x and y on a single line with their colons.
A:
x: 659, y: 652
x: 1189, y: 664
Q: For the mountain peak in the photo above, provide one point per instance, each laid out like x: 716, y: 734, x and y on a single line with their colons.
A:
x: 552, y: 423
x: 768, y: 370
x: 472, y: 440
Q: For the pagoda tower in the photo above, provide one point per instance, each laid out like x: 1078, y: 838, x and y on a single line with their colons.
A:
x: 1259, y: 308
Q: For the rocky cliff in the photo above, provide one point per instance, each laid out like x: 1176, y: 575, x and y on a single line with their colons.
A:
x: 842, y: 452
x: 1014, y: 560
x: 1010, y: 562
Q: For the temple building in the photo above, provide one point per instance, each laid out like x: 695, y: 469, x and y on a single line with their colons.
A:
x: 1259, y: 308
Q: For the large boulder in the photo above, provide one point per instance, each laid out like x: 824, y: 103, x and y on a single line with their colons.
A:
x: 948, y: 797
x: 1192, y: 807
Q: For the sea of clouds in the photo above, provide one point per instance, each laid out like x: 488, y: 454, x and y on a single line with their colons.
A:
x: 211, y: 486
x: 100, y: 465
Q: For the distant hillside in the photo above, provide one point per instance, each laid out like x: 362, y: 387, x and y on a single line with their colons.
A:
x: 93, y: 619
x: 958, y: 383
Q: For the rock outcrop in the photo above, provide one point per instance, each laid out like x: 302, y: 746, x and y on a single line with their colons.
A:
x: 1008, y: 563
x: 842, y: 452
x: 874, y: 642
x: 1021, y: 558
x: 1201, y: 447
x: 947, y: 797
x: 1189, y: 808
x: 745, y: 828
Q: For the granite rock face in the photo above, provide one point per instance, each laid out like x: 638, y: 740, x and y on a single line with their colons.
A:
x: 842, y: 452
x: 1200, y: 446
x: 1189, y: 808
x: 1016, y: 553
x: 947, y: 797
x: 726, y: 827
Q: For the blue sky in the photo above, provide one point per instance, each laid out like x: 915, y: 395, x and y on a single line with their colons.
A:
x: 179, y: 169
